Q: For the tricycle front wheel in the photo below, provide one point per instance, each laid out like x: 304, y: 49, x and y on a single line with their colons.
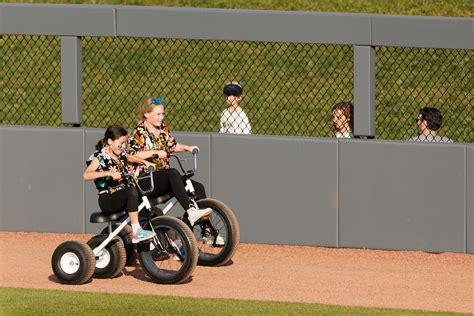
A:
x: 73, y: 262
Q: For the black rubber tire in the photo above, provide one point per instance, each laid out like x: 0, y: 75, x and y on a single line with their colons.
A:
x: 232, y: 230
x: 113, y: 256
x: 152, y: 267
x: 79, y: 257
x: 130, y: 249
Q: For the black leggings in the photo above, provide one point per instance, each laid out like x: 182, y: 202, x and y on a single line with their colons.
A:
x: 125, y: 199
x: 170, y: 181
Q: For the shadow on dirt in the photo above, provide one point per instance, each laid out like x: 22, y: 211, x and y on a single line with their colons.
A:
x: 54, y: 279
x: 138, y: 273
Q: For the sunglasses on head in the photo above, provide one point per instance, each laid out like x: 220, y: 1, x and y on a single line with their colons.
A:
x: 157, y: 101
x: 233, y: 89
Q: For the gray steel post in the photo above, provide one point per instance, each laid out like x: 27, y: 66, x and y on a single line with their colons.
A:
x: 364, y: 90
x: 71, y: 79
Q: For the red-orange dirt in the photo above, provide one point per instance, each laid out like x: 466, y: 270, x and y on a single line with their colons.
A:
x: 350, y: 277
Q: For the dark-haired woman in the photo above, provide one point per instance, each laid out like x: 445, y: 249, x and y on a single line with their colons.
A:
x: 342, y: 120
x: 106, y: 166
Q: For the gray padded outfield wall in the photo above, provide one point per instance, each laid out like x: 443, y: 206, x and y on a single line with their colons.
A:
x: 2, y: 167
x: 42, y: 187
x: 284, y: 190
x: 470, y: 199
x: 398, y: 195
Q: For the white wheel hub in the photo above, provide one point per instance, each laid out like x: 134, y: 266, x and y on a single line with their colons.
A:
x: 103, y: 259
x: 70, y: 263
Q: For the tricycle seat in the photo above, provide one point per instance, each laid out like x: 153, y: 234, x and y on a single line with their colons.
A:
x: 101, y: 217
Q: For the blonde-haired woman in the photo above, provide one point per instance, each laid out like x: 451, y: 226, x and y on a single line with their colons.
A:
x: 152, y: 137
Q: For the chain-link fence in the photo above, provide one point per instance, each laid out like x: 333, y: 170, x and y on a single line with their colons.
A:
x: 288, y: 88
x: 409, y: 79
x: 30, y: 80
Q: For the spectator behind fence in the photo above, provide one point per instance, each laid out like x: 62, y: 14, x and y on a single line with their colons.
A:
x: 342, y: 120
x: 152, y: 137
x: 429, y: 120
x: 106, y: 167
x: 233, y: 119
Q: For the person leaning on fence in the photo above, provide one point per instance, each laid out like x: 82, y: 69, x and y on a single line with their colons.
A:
x: 233, y: 119
x: 106, y: 166
x: 429, y: 121
x: 342, y: 120
x: 152, y: 137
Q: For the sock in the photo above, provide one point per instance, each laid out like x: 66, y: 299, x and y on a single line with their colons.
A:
x: 135, y: 227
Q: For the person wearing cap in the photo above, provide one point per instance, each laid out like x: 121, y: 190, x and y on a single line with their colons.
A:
x: 151, y: 140
x: 233, y: 120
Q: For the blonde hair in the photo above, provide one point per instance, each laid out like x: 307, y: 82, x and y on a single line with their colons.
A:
x: 149, y: 104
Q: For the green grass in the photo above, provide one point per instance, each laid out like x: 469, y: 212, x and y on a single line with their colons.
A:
x: 14, y: 301
x: 289, y: 87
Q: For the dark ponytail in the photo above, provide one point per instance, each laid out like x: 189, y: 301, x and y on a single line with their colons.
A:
x: 100, y: 144
x: 113, y: 132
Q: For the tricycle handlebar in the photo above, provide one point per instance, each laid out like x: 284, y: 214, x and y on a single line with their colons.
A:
x: 178, y: 159
x: 151, y: 169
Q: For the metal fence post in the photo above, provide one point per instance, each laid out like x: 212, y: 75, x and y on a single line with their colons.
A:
x: 71, y: 79
x: 364, y: 91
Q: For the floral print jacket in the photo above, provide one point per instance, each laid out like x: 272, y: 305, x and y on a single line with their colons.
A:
x: 107, y: 163
x: 140, y: 139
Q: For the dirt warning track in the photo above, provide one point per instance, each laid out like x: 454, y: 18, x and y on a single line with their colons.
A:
x: 350, y: 277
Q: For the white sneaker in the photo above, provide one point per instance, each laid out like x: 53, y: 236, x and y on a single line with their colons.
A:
x: 195, y: 214
x: 220, y: 241
x: 210, y: 240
